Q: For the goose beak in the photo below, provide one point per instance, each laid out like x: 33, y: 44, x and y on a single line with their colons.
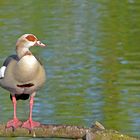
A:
x: 39, y: 43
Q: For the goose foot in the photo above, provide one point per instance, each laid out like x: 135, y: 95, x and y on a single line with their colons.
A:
x: 30, y: 124
x: 15, y: 123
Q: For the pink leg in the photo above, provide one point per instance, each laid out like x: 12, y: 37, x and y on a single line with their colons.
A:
x: 30, y: 124
x: 15, y: 122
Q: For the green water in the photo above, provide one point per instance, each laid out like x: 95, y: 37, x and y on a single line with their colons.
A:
x: 92, y: 60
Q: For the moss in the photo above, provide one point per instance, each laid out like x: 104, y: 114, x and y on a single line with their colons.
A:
x: 65, y: 131
x: 112, y: 135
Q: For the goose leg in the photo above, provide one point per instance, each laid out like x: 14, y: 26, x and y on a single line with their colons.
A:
x: 30, y: 124
x: 15, y: 121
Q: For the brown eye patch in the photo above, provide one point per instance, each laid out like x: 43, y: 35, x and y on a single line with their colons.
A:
x: 31, y: 38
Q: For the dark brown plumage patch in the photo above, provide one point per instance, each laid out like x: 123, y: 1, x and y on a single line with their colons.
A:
x: 20, y: 96
x: 31, y: 38
x: 25, y: 85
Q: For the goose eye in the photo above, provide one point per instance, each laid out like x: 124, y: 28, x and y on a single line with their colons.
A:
x: 38, y: 42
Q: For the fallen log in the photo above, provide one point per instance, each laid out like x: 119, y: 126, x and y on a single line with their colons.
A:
x: 96, y: 132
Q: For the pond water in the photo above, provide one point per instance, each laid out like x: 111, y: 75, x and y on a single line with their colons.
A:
x: 92, y: 61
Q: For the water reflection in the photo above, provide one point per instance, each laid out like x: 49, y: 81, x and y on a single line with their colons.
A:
x: 92, y: 60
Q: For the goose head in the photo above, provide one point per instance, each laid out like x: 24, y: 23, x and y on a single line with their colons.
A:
x: 25, y: 42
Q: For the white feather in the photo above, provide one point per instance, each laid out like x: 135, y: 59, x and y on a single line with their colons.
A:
x: 2, y: 71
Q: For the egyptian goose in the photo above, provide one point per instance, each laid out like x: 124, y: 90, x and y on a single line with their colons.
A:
x: 22, y: 75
